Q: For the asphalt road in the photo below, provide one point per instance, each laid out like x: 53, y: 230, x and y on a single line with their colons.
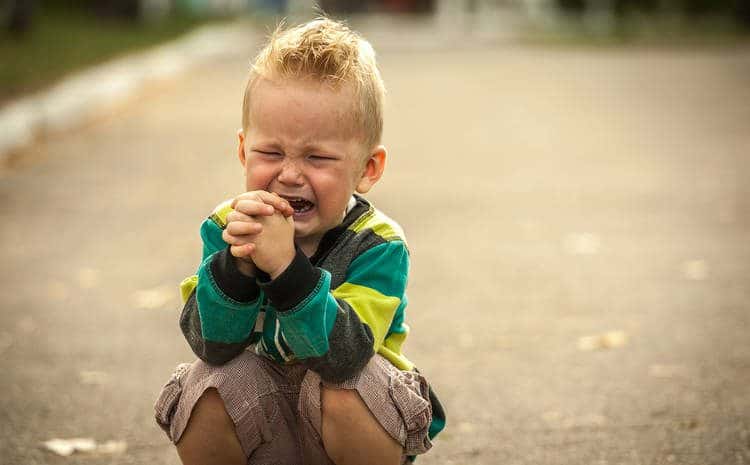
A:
x: 549, y: 195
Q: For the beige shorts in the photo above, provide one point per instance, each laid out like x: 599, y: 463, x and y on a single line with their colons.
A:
x: 276, y: 408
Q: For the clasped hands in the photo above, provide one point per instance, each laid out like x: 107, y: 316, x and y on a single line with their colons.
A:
x: 260, y: 232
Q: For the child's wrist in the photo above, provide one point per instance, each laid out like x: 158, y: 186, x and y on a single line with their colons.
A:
x: 245, y: 266
x: 282, y: 266
x: 297, y: 281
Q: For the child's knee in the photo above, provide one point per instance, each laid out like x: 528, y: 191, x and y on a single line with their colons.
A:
x: 342, y: 405
x: 210, y: 409
x: 382, y: 399
x: 351, y: 431
x: 344, y: 410
x: 210, y: 433
x: 218, y: 399
x: 209, y: 417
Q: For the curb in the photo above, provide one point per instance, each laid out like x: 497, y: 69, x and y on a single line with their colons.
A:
x: 79, y: 98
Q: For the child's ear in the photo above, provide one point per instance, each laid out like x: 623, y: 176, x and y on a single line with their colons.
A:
x: 373, y: 169
x: 241, y: 149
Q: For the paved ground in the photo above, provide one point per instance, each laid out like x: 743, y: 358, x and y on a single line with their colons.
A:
x: 548, y: 195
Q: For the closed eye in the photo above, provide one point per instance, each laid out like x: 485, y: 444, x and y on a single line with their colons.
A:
x: 320, y: 158
x: 268, y: 154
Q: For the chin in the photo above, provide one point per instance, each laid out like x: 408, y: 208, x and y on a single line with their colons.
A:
x: 300, y: 233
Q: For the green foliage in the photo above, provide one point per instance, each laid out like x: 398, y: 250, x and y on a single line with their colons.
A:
x: 62, y: 40
x: 575, y: 6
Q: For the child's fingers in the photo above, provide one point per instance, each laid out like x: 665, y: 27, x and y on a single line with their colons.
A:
x: 252, y: 207
x: 288, y: 211
x: 243, y: 228
x: 283, y: 206
x: 242, y: 251
x: 252, y: 195
x: 234, y: 215
x: 263, y: 197
x: 237, y: 240
x: 278, y: 202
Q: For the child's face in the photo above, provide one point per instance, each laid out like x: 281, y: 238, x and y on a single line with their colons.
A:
x: 301, y: 144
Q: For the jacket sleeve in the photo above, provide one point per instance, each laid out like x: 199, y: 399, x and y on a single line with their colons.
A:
x: 221, y: 304
x: 336, y: 331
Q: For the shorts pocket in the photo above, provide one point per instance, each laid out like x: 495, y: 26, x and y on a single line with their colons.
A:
x: 410, y: 394
x: 166, y: 403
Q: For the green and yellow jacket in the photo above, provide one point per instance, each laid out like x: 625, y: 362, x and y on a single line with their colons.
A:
x: 331, y: 312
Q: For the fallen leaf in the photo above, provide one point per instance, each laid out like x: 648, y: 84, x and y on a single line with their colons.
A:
x: 57, y: 290
x: 112, y: 447
x: 154, y: 298
x: 608, y: 340
x: 552, y: 417
x: 696, y: 270
x: 581, y: 244
x: 88, y: 278
x: 614, y: 339
x: 588, y: 343
x: 66, y: 447
x: 98, y: 378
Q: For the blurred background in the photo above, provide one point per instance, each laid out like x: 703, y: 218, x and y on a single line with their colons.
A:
x: 572, y: 177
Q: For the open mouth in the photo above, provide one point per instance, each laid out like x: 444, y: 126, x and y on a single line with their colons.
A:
x: 299, y: 204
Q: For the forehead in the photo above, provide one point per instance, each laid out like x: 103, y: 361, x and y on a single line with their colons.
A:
x: 303, y: 109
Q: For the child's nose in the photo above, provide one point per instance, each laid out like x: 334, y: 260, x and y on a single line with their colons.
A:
x: 290, y: 173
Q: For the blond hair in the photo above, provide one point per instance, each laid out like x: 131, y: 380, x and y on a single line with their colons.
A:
x: 329, y: 52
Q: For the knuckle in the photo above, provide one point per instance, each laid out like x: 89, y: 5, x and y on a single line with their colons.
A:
x: 228, y: 239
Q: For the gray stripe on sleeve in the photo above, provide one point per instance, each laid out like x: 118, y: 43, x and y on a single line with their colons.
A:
x: 350, y: 347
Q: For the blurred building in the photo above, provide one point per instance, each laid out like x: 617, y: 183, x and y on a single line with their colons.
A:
x: 18, y: 14
x: 285, y: 6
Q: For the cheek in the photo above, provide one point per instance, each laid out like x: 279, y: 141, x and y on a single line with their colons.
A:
x: 329, y: 183
x: 258, y: 176
x: 336, y: 192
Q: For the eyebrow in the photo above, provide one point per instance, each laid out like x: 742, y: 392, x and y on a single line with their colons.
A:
x: 305, y: 148
x: 274, y: 143
x: 318, y: 149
